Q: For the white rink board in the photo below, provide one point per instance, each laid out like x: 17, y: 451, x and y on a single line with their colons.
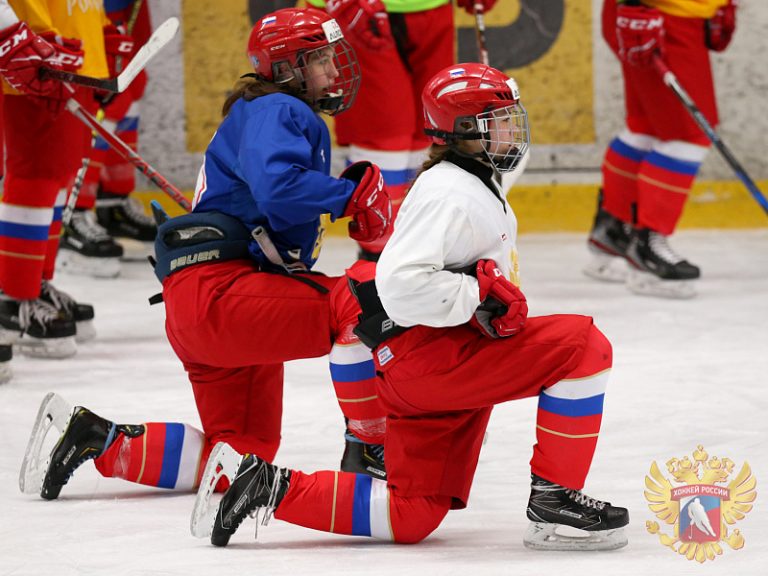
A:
x: 686, y: 372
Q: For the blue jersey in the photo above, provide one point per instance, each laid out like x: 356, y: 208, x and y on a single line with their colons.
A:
x: 268, y: 165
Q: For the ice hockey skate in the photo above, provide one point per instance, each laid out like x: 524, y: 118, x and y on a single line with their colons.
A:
x: 554, y: 509
x: 256, y: 489
x: 362, y: 458
x: 657, y: 269
x: 124, y: 218
x: 37, y: 328
x: 86, y: 249
x: 608, y: 242
x: 6, y: 355
x: 81, y: 313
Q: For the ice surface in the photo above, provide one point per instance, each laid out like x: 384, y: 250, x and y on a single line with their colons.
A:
x: 686, y: 373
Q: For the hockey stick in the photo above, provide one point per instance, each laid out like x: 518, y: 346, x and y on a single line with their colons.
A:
x: 670, y: 80
x: 128, y: 154
x: 482, y: 51
x: 74, y: 194
x: 128, y: 29
x: 160, y: 37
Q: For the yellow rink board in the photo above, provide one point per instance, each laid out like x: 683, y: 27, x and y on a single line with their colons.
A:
x: 571, y: 207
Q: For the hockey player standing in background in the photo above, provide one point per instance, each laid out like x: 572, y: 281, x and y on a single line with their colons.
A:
x: 87, y: 246
x: 44, y: 147
x: 451, y: 336
x: 400, y: 44
x: 649, y: 168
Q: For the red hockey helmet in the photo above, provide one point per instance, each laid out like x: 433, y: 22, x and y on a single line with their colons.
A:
x: 307, y: 46
x: 476, y: 102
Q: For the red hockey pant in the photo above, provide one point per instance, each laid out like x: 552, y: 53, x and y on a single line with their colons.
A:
x: 233, y: 327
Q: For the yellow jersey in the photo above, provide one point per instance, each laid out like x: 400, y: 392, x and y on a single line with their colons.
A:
x: 687, y: 8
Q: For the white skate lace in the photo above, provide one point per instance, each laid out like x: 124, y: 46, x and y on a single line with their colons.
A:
x: 37, y: 311
x: 60, y: 300
x: 85, y: 224
x: 269, y: 508
x: 580, y: 498
x: 660, y: 247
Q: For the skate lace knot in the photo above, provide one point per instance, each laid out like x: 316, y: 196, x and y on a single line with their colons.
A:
x: 84, y: 223
x: 580, y: 498
x: 660, y: 247
x: 60, y: 300
x: 36, y: 311
x: 263, y: 514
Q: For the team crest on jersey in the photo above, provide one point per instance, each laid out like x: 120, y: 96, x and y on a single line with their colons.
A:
x: 698, y: 504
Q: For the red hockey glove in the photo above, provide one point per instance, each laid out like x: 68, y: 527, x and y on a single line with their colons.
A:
x: 117, y: 44
x: 469, y: 5
x: 369, y: 206
x: 22, y: 54
x: 503, y: 308
x: 365, y: 20
x: 640, y: 32
x: 69, y: 51
x: 721, y: 26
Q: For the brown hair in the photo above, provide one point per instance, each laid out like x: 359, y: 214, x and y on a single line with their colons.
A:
x: 436, y: 154
x: 250, y: 87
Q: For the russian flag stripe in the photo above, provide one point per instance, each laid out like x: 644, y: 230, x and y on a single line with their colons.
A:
x: 380, y: 527
x: 673, y: 164
x: 25, y: 215
x: 24, y: 231
x: 361, y: 508
x: 349, y: 353
x: 174, y: 440
x: 576, y: 388
x: 353, y: 372
x: 191, y: 452
x: 579, y: 407
x: 624, y: 149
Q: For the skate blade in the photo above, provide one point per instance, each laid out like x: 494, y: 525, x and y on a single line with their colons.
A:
x: 135, y: 250
x: 86, y: 331
x: 46, y: 347
x: 223, y: 461
x: 54, y: 412
x: 71, y: 262
x: 647, y: 284
x: 544, y: 536
x: 606, y: 268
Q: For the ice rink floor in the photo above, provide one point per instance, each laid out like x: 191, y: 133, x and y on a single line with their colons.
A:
x: 686, y: 373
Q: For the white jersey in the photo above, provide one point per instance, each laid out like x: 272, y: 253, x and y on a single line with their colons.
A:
x: 449, y: 220
x: 7, y: 15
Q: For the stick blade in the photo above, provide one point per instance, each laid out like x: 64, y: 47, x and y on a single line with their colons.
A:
x: 160, y: 37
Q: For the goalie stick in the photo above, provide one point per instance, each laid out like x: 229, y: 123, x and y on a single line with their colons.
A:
x: 671, y: 81
x: 160, y: 37
x: 128, y: 153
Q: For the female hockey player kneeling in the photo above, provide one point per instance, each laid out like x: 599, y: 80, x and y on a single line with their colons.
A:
x: 451, y: 337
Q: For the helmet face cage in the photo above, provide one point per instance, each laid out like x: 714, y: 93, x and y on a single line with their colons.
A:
x: 504, y: 135
x: 328, y: 76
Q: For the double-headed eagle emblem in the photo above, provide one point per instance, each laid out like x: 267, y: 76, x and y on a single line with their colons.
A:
x: 699, y: 505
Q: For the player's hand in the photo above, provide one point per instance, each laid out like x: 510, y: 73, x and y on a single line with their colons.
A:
x: 117, y: 45
x: 369, y: 206
x: 69, y: 51
x: 721, y: 26
x: 365, y: 20
x: 503, y: 308
x: 469, y: 5
x: 22, y: 54
x: 640, y: 33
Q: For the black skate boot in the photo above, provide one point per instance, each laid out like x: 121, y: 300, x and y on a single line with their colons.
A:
x: 551, y: 505
x: 85, y: 436
x: 658, y: 270
x: 124, y: 217
x: 608, y: 242
x: 37, y: 328
x: 82, y: 314
x: 86, y: 248
x: 362, y: 458
x: 6, y: 355
x: 257, y: 485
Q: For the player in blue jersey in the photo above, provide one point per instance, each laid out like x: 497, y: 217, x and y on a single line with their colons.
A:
x: 237, y: 283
